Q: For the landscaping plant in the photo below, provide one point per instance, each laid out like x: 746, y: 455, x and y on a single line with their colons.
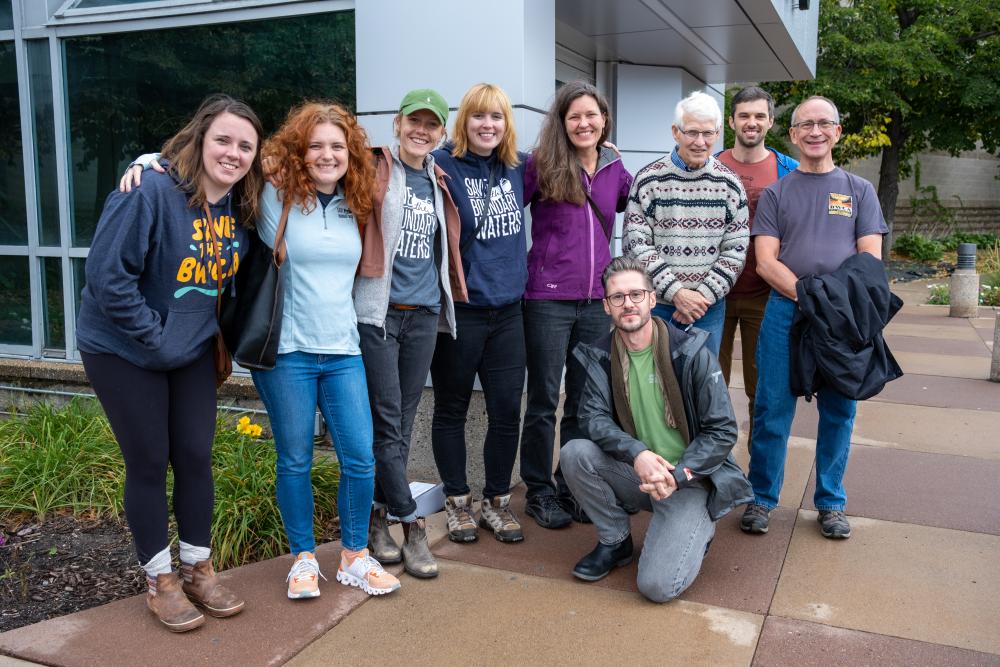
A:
x: 66, y: 460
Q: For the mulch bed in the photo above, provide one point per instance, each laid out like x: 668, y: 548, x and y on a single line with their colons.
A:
x: 63, y: 565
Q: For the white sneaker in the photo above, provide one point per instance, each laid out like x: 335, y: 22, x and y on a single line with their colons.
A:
x: 303, y: 578
x: 366, y: 573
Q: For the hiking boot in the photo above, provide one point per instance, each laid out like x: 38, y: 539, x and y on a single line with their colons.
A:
x: 755, y: 519
x: 366, y: 573
x: 303, y: 578
x: 417, y: 557
x: 834, y: 524
x: 496, y: 515
x: 461, y: 523
x: 202, y: 586
x: 380, y: 542
x: 167, y: 601
x: 547, y: 512
x: 573, y: 508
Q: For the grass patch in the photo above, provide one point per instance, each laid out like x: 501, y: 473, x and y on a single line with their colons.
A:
x: 66, y: 460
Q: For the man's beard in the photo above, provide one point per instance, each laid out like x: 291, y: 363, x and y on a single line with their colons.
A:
x: 632, y: 326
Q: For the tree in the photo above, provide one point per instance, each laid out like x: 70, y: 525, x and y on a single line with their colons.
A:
x: 907, y: 76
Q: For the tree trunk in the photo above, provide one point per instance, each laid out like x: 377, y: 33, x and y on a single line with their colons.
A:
x: 888, y: 177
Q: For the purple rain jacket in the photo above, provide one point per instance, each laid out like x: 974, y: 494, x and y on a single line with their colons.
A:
x: 569, y: 249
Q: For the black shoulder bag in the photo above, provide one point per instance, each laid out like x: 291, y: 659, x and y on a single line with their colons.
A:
x: 608, y: 229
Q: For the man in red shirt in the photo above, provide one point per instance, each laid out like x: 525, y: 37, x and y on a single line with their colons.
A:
x: 757, y: 167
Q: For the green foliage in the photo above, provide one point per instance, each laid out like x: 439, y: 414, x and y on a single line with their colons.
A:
x: 60, y: 460
x: 919, y: 248
x: 984, y: 242
x: 940, y: 295
x: 67, y: 460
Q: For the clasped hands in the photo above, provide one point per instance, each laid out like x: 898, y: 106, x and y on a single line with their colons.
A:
x: 655, y: 475
x: 690, y: 305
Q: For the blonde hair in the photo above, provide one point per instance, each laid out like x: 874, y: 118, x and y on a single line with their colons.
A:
x: 486, y: 97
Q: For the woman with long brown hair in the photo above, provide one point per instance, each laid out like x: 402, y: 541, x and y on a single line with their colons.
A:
x: 575, y: 184
x: 147, y: 320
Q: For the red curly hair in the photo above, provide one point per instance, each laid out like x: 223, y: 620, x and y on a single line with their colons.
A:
x: 284, y: 157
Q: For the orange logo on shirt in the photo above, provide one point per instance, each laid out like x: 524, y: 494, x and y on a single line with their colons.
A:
x: 841, y: 205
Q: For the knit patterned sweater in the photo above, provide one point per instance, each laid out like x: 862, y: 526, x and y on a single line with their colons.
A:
x: 689, y: 228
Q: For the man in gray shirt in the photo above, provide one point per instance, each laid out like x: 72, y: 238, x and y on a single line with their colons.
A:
x: 807, y: 223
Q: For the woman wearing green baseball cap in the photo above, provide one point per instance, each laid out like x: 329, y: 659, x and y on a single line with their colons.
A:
x: 400, y: 312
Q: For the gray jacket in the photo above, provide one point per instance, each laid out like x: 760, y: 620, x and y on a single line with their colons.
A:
x: 710, y: 417
x: 371, y: 294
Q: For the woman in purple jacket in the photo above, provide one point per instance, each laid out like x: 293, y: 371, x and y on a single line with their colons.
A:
x: 575, y: 184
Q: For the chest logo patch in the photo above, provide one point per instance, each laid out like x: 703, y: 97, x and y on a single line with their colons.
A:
x: 841, y: 205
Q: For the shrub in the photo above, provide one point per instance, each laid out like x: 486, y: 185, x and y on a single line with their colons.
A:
x: 67, y: 460
x: 940, y: 295
x: 918, y: 247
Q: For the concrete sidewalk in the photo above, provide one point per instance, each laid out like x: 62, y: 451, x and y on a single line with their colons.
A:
x: 918, y: 583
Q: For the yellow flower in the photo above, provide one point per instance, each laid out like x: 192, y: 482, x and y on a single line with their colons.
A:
x: 243, y: 425
x: 255, y: 430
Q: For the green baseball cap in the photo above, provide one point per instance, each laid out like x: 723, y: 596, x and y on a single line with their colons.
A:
x: 425, y: 98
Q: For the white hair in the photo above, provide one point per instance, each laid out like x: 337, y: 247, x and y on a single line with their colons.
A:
x: 697, y: 106
x: 836, y: 113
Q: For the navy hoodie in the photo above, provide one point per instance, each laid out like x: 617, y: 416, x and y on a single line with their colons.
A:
x: 151, y: 291
x: 496, y: 262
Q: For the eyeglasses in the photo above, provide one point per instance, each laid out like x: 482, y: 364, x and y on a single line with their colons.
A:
x: 693, y: 135
x: 808, y: 125
x: 635, y: 296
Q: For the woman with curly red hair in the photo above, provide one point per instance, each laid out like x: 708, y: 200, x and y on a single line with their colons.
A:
x: 321, y: 158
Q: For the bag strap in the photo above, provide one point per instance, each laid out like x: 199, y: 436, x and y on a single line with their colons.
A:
x: 218, y: 259
x: 486, y: 212
x: 279, y: 235
x: 608, y: 230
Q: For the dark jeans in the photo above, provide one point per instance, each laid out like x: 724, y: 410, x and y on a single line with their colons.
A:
x: 397, y: 358
x: 161, y: 418
x: 491, y: 343
x: 552, y: 329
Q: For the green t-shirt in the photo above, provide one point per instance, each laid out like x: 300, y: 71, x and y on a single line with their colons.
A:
x: 645, y: 398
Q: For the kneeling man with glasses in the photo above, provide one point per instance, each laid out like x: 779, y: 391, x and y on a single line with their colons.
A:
x: 660, y: 428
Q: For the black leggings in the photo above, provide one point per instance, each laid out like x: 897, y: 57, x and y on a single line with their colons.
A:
x: 160, y: 417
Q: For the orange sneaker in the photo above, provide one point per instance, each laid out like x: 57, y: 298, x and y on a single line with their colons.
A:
x: 366, y: 573
x: 303, y: 578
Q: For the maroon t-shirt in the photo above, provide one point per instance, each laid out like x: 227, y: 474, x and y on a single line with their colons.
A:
x: 755, y: 177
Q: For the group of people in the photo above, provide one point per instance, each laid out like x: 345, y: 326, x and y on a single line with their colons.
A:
x: 413, y: 258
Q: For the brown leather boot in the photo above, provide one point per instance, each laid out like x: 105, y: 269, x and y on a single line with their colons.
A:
x: 171, y: 606
x: 417, y: 557
x: 380, y: 542
x: 202, y: 586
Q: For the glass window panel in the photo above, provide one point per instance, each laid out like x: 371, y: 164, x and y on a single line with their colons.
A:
x: 127, y: 93
x: 79, y: 280
x: 6, y: 15
x: 13, y: 218
x: 40, y: 74
x: 55, y: 320
x: 88, y: 4
x: 15, y: 301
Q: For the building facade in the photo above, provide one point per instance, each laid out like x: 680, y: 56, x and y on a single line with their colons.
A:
x: 85, y: 85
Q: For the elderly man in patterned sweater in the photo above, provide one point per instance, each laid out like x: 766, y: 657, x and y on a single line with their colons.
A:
x: 687, y: 223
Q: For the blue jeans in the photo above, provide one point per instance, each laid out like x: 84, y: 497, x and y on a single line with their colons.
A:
x: 552, y: 329
x: 774, y: 410
x: 712, y: 322
x: 336, y: 383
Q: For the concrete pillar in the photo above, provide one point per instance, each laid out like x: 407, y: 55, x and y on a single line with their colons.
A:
x: 995, y: 364
x: 964, y: 293
x: 449, y: 45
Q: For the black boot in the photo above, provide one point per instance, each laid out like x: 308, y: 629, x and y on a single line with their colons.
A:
x: 599, y: 562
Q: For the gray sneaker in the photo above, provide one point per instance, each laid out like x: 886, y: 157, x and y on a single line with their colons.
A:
x: 834, y: 524
x: 755, y: 519
x: 497, y: 516
x: 461, y: 523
